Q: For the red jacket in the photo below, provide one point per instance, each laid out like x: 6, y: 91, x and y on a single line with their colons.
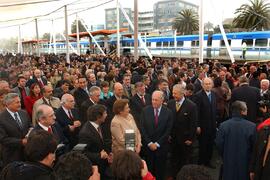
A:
x: 263, y: 124
x: 29, y: 103
x: 149, y: 176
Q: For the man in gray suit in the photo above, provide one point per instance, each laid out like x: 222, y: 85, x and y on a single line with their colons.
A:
x: 21, y: 90
x: 14, y: 126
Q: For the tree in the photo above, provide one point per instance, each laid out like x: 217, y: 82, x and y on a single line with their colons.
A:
x: 46, y: 36
x: 186, y: 22
x: 81, y: 27
x: 253, y: 16
x: 208, y: 26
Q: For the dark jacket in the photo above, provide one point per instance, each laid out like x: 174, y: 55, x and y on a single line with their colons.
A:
x: 235, y: 140
x: 27, y: 171
x: 185, y: 121
x: 261, y: 173
x: 11, y: 136
x: 251, y: 96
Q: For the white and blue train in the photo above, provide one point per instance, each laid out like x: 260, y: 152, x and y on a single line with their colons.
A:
x: 258, y: 45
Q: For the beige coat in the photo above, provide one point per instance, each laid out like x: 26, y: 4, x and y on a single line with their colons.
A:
x: 118, y: 127
x: 55, y: 104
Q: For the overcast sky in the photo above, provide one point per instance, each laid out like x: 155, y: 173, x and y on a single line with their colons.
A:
x: 223, y: 9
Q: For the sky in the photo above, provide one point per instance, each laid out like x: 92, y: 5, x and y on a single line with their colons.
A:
x: 214, y: 11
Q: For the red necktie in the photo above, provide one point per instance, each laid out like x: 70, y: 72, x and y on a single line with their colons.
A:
x: 70, y: 115
x: 99, y: 132
x: 23, y: 94
x: 143, y: 101
x: 156, y: 117
x: 40, y: 83
x: 50, y: 130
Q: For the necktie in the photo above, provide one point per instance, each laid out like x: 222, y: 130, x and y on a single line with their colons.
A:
x: 70, y: 115
x: 209, y: 97
x: 99, y: 132
x: 18, y: 120
x: 178, y: 106
x: 143, y: 101
x: 156, y: 117
x: 40, y: 83
x: 49, y: 130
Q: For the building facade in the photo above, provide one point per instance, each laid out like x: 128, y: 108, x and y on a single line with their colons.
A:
x: 165, y: 12
x: 110, y: 18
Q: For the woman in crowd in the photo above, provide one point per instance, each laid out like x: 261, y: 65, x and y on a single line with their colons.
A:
x: 34, y: 95
x: 122, y: 122
x: 128, y: 165
x: 105, y: 92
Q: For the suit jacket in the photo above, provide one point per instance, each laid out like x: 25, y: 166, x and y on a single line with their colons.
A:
x: 159, y: 134
x: 34, y: 80
x: 95, y: 144
x: 58, y: 92
x: 55, y: 104
x: 64, y: 121
x: 17, y: 90
x: 57, y: 132
x: 80, y: 95
x: 83, y: 110
x: 136, y: 106
x: 127, y: 93
x: 206, y: 112
x: 197, y: 86
x: 185, y: 119
x: 251, y: 96
x: 11, y: 136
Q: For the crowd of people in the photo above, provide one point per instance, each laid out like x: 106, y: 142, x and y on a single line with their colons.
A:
x: 103, y: 117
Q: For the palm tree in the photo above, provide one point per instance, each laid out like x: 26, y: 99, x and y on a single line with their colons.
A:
x: 253, y: 16
x: 208, y: 26
x: 186, y: 22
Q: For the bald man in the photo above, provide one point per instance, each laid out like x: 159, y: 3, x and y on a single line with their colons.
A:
x: 206, y: 126
x: 156, y: 124
x: 68, y: 118
x: 37, y: 78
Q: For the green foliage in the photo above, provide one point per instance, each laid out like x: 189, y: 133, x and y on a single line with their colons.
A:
x: 253, y: 16
x: 186, y: 22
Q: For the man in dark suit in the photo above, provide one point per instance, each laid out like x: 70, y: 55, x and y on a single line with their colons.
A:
x: 21, y: 90
x: 156, y: 124
x: 184, y: 128
x: 92, y: 80
x: 63, y: 89
x: 37, y: 79
x: 46, y: 121
x: 198, y: 82
x: 14, y: 126
x: 250, y: 95
x: 206, y: 125
x: 94, y: 94
x: 68, y: 118
x: 81, y: 93
x: 139, y: 101
x: 98, y: 149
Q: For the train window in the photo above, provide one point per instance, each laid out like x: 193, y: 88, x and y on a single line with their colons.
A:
x: 194, y: 43
x: 165, y: 44
x: 180, y: 43
x: 148, y: 44
x: 261, y: 42
x: 158, y: 44
x: 249, y: 42
x: 222, y: 42
x: 172, y: 43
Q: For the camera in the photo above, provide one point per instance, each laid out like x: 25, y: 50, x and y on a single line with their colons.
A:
x: 265, y: 102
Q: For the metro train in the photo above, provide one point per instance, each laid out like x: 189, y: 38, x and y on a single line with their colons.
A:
x: 258, y: 45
